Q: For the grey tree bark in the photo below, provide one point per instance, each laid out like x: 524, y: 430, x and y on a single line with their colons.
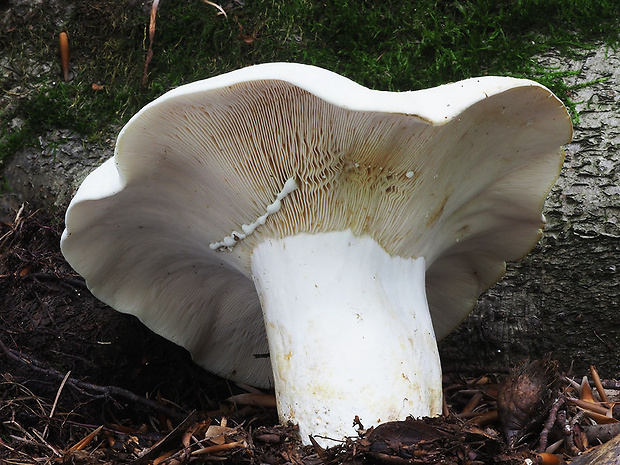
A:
x: 563, y: 298
x: 47, y: 176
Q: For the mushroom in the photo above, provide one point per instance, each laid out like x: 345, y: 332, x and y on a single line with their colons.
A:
x: 282, y: 209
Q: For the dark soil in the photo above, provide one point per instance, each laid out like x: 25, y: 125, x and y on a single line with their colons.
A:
x: 48, y: 312
x: 48, y: 316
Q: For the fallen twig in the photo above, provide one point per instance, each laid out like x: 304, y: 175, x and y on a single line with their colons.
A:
x: 62, y: 384
x: 553, y: 413
x: 606, y: 454
x: 71, y: 282
x: 602, y: 433
x: 13, y: 227
x: 46, y: 444
x: 92, y: 389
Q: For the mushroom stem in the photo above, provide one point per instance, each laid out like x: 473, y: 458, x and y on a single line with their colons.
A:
x: 349, y: 333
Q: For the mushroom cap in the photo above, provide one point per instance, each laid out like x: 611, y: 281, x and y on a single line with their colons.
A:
x: 457, y: 174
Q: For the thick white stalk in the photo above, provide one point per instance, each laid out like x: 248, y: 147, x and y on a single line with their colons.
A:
x: 349, y: 333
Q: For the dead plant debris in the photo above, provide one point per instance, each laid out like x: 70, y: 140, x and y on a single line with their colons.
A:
x: 83, y: 384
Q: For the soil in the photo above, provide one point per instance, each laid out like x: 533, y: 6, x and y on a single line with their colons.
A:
x: 47, y: 312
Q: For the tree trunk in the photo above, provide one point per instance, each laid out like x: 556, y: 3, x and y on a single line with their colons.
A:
x: 563, y: 298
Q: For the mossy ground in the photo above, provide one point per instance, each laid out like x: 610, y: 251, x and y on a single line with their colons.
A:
x: 389, y: 44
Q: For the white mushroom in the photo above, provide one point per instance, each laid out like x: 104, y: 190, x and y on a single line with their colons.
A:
x: 336, y: 209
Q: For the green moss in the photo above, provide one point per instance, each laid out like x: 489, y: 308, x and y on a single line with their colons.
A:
x: 387, y: 44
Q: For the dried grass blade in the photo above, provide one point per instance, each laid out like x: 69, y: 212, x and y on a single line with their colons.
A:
x: 484, y: 418
x: 585, y: 392
x: 592, y: 407
x: 601, y: 419
x: 149, y: 55
x: 597, y: 383
x: 81, y: 444
x: 473, y: 402
x: 222, y: 12
x: 163, y: 457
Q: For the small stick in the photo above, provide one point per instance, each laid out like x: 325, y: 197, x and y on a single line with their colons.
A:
x: 163, y: 457
x: 473, y: 402
x: 47, y: 444
x: 62, y: 384
x: 92, y: 389
x: 574, y: 384
x: 13, y: 227
x: 168, y: 442
x: 569, y: 444
x: 553, y: 413
x: 602, y: 433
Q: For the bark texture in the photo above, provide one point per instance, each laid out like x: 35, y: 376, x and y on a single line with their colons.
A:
x: 47, y: 176
x: 563, y: 298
